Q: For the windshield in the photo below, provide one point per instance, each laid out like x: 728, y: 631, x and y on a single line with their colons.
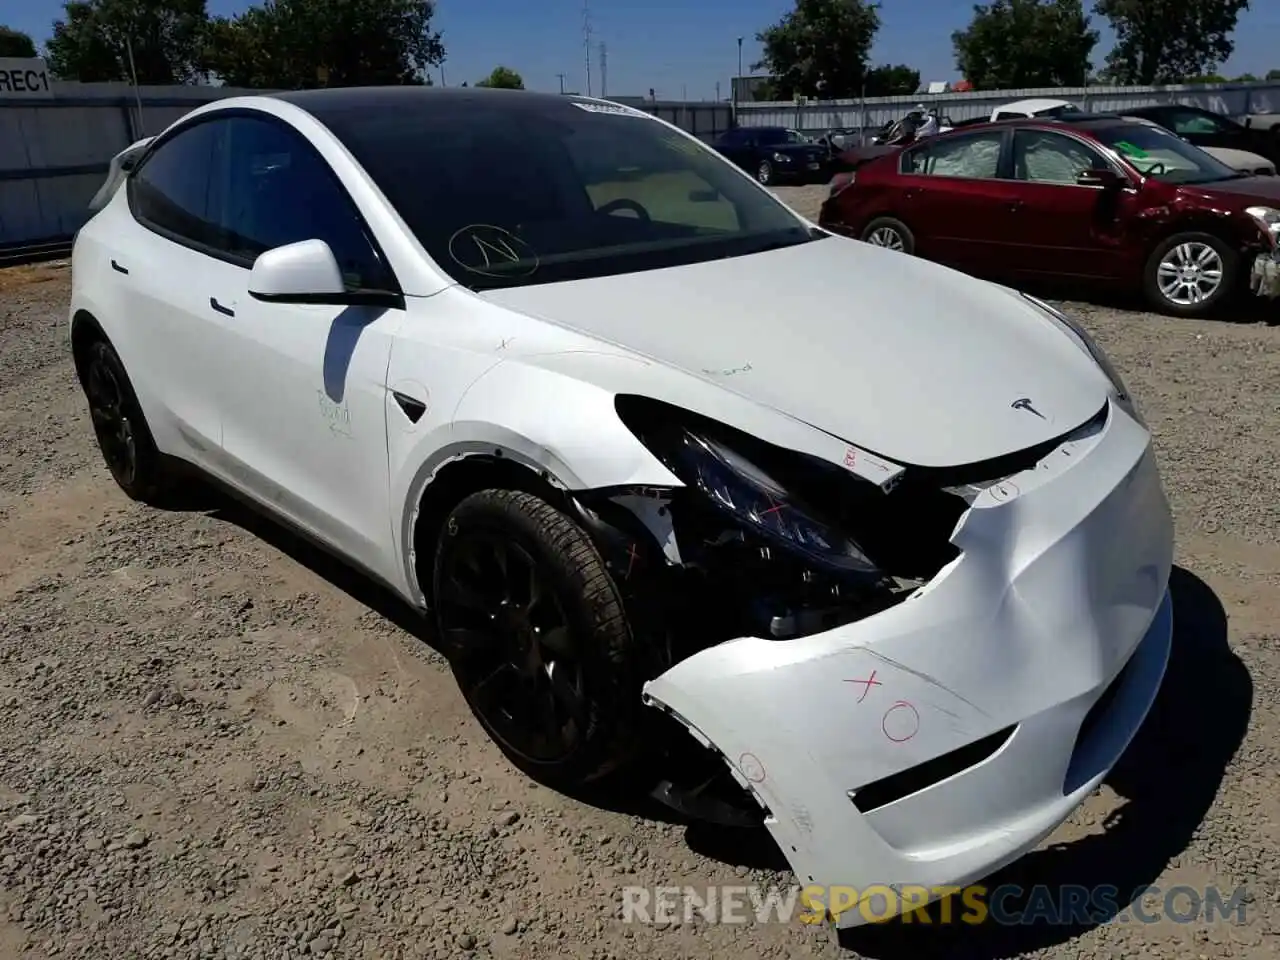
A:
x: 773, y: 137
x: 553, y: 189
x: 1155, y: 152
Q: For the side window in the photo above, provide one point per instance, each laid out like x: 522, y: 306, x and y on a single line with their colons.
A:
x: 1192, y: 122
x: 173, y: 190
x: 279, y: 190
x: 1042, y: 157
x: 974, y: 157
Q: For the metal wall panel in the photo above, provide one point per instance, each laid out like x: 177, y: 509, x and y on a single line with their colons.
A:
x: 1234, y: 100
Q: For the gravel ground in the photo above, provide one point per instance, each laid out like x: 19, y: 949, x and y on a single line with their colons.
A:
x: 216, y: 744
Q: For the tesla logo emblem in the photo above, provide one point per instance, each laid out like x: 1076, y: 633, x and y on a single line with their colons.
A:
x: 1024, y: 403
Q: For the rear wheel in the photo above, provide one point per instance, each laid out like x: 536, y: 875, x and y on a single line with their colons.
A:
x: 123, y: 436
x: 1190, y: 274
x: 537, y: 637
x: 889, y: 233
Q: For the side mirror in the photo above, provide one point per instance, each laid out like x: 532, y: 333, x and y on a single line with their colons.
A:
x: 1106, y: 179
x: 1248, y: 121
x: 308, y: 272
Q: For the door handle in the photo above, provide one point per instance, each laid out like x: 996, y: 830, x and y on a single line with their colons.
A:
x: 411, y: 407
x: 117, y: 268
x: 1015, y: 206
x: 908, y: 194
x: 225, y: 311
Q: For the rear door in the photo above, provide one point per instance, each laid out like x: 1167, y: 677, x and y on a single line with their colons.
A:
x: 168, y: 279
x: 954, y: 200
x: 1056, y: 227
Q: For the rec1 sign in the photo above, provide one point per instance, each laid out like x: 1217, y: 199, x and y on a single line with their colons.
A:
x: 24, y: 79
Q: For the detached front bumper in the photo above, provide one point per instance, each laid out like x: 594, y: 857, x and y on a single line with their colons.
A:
x: 933, y: 743
x: 1264, y: 278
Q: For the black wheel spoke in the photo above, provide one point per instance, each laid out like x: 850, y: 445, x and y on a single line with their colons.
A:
x: 511, y: 644
x: 456, y: 592
x: 557, y: 643
x: 566, y: 693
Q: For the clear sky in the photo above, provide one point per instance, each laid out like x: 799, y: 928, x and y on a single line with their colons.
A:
x: 684, y: 46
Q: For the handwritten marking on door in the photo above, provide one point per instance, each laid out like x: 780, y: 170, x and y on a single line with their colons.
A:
x: 336, y: 415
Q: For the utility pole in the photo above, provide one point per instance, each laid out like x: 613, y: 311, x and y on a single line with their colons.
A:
x: 717, y: 91
x: 604, y: 71
x: 737, y: 83
x: 560, y: 77
x: 586, y: 40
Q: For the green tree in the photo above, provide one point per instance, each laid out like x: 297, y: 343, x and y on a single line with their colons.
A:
x: 503, y: 78
x: 1273, y: 75
x: 93, y: 39
x: 820, y: 49
x: 1163, y: 41
x: 892, y: 81
x: 293, y: 44
x: 1025, y: 43
x: 15, y: 43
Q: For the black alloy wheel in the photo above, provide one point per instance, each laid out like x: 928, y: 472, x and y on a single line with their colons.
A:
x: 536, y: 636
x: 109, y: 409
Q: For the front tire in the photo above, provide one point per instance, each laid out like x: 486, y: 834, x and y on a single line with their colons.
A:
x: 764, y: 173
x: 891, y: 234
x: 535, y: 631
x: 1190, y: 274
x: 124, y: 439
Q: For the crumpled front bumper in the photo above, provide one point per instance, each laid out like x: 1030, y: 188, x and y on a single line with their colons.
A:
x: 1059, y: 596
x: 1264, y: 278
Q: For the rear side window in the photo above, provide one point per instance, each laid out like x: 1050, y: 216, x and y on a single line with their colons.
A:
x: 172, y: 191
x: 974, y: 156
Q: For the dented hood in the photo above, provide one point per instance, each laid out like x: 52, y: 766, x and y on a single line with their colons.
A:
x: 914, y: 361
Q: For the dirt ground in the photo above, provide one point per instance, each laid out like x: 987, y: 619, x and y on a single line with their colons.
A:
x: 215, y: 743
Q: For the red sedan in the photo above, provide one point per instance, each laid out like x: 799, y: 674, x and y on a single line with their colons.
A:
x: 1091, y: 197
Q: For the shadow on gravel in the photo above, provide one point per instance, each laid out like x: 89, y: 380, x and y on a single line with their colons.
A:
x: 1168, y: 777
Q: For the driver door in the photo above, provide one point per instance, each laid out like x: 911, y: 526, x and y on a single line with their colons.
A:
x: 304, y: 386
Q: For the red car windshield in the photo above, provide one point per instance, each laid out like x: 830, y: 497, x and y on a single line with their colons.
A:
x: 1155, y: 152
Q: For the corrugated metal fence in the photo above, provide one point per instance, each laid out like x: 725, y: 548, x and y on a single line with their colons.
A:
x: 1232, y: 99
x: 54, y: 153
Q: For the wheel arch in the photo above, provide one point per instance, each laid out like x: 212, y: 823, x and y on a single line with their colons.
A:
x: 467, y: 467
x: 1218, y: 225
x: 85, y: 331
x: 464, y: 472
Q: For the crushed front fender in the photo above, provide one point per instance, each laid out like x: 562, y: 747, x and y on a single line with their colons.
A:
x: 936, y: 741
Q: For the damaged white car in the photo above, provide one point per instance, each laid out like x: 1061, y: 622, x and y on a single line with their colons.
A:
x: 681, y: 478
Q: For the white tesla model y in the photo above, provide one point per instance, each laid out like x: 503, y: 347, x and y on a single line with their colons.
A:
x: 654, y: 453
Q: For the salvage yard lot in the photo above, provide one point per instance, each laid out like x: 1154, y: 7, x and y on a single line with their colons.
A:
x: 215, y: 743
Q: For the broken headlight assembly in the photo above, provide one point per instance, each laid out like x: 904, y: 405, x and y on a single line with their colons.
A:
x: 1086, y: 342
x: 741, y: 489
